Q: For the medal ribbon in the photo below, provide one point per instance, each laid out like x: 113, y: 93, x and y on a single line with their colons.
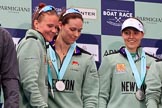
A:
x: 50, y: 79
x: 49, y: 71
x: 139, y: 78
x: 65, y: 62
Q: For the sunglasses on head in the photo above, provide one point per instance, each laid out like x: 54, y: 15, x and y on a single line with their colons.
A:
x: 46, y: 9
x: 71, y: 10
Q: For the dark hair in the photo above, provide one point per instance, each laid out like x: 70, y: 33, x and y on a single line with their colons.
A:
x: 65, y: 18
x: 138, y: 20
x: 38, y: 16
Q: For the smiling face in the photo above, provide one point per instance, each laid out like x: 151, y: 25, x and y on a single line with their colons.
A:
x: 47, y: 26
x: 71, y: 31
x: 132, y: 38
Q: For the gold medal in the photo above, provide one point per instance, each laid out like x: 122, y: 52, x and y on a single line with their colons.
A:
x: 60, y: 86
x: 140, y: 95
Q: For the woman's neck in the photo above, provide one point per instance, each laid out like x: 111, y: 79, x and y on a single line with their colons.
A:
x: 61, y: 47
x: 132, y: 50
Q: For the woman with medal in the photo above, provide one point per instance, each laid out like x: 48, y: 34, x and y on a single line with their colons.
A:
x: 74, y: 76
x: 122, y: 74
x: 32, y: 57
x: 154, y: 85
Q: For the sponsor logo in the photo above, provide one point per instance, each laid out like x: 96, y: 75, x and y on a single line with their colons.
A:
x: 69, y: 85
x: 116, y: 17
x: 14, y: 9
x: 120, y: 68
x: 129, y: 87
x: 151, y: 20
x: 88, y: 13
x: 107, y: 52
x: 75, y: 63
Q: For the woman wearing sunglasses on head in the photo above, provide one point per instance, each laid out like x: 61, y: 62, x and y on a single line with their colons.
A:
x: 32, y: 58
x: 74, y: 77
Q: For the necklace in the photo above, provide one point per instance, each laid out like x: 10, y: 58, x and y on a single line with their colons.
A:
x: 62, y: 51
x: 63, y: 54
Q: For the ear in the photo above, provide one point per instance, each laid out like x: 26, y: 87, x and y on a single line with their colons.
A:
x: 143, y: 34
x: 60, y: 25
x: 36, y: 24
x: 121, y: 33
